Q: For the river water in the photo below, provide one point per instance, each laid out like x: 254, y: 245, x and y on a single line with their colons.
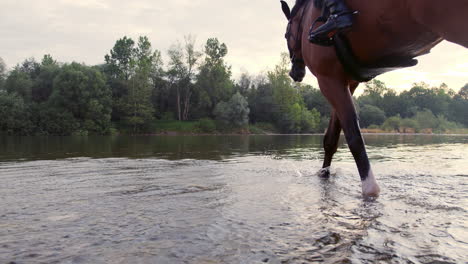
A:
x: 230, y: 199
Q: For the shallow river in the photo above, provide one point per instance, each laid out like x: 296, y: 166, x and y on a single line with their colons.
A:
x: 220, y: 199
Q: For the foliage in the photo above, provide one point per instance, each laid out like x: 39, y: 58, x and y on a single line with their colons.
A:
x: 3, y: 72
x: 20, y: 83
x: 133, y: 69
x: 206, y: 125
x: 82, y: 91
x: 371, y: 115
x: 214, y: 83
x: 136, y: 93
x: 176, y: 126
x: 234, y: 113
x: 262, y: 128
x: 298, y: 119
x: 121, y: 61
x: 181, y: 74
x: 290, y: 115
x: 423, y: 121
x: 14, y: 115
x: 392, y: 124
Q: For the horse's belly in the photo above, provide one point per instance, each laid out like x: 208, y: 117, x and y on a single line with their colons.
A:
x: 386, y: 28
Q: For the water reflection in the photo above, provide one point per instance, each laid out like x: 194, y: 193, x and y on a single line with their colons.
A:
x: 237, y: 199
x: 190, y: 147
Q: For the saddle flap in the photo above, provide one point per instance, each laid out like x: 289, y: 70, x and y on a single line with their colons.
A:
x: 364, y: 72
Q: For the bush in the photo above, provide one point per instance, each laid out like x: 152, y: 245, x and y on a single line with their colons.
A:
x: 235, y: 112
x: 206, y: 125
x: 167, y: 116
x: 14, y: 115
x: 297, y: 119
x: 371, y: 115
x: 392, y: 124
x: 409, y: 125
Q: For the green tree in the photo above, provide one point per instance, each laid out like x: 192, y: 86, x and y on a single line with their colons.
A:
x: 392, y: 104
x: 425, y: 119
x: 214, y: 82
x: 43, y: 84
x: 458, y: 108
x: 82, y: 91
x: 374, y: 92
x: 134, y: 70
x: 291, y: 114
x: 244, y: 84
x: 371, y: 115
x: 160, y: 91
x: 463, y: 93
x: 137, y: 102
x: 120, y: 62
x: 14, y: 115
x: 235, y: 112
x: 409, y: 123
x: 392, y: 124
x: 314, y: 99
x: 20, y: 83
x: 262, y: 104
x: 375, y: 87
x: 3, y: 73
x: 181, y: 73
x: 424, y: 97
x: 298, y: 119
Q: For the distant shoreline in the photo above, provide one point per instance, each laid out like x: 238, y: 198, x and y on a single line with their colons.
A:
x: 175, y: 133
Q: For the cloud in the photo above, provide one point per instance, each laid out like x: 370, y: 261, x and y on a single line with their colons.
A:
x: 85, y: 30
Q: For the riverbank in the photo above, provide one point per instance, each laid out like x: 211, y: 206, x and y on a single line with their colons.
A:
x: 210, y: 127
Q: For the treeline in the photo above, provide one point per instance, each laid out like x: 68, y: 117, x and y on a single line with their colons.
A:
x: 420, y: 109
x: 134, y: 89
x: 135, y: 92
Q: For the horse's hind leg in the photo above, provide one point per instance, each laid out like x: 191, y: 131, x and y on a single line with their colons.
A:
x: 330, y: 143
x: 337, y: 93
x: 331, y: 139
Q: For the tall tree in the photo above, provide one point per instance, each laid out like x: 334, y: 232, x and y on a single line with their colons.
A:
x: 82, y: 91
x: 463, y: 93
x: 291, y: 114
x: 20, y: 83
x: 121, y: 61
x: 160, y: 87
x: 43, y: 83
x: 214, y: 82
x: 244, y: 84
x: 132, y: 69
x: 138, y: 101
x: 14, y: 115
x: 183, y: 61
x: 235, y: 112
x: 2, y: 73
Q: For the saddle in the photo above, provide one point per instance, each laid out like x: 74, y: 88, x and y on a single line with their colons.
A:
x: 364, y: 72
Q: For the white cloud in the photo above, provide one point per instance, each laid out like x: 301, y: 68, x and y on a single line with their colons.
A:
x: 85, y: 30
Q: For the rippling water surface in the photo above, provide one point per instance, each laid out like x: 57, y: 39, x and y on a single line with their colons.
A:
x: 225, y: 199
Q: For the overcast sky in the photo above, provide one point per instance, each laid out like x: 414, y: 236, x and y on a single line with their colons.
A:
x: 253, y: 30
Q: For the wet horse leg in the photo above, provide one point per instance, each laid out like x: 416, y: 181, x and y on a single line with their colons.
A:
x: 331, y: 139
x: 339, y: 95
x: 330, y: 143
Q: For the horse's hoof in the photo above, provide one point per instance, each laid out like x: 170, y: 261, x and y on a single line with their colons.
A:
x: 370, y: 188
x: 324, y: 173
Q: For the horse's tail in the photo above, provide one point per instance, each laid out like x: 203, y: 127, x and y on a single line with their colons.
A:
x: 318, y: 4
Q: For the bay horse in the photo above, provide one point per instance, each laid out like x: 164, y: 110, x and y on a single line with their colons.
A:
x: 382, y: 29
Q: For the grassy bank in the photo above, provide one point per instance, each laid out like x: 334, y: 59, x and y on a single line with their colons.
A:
x: 458, y: 131
x: 209, y: 126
